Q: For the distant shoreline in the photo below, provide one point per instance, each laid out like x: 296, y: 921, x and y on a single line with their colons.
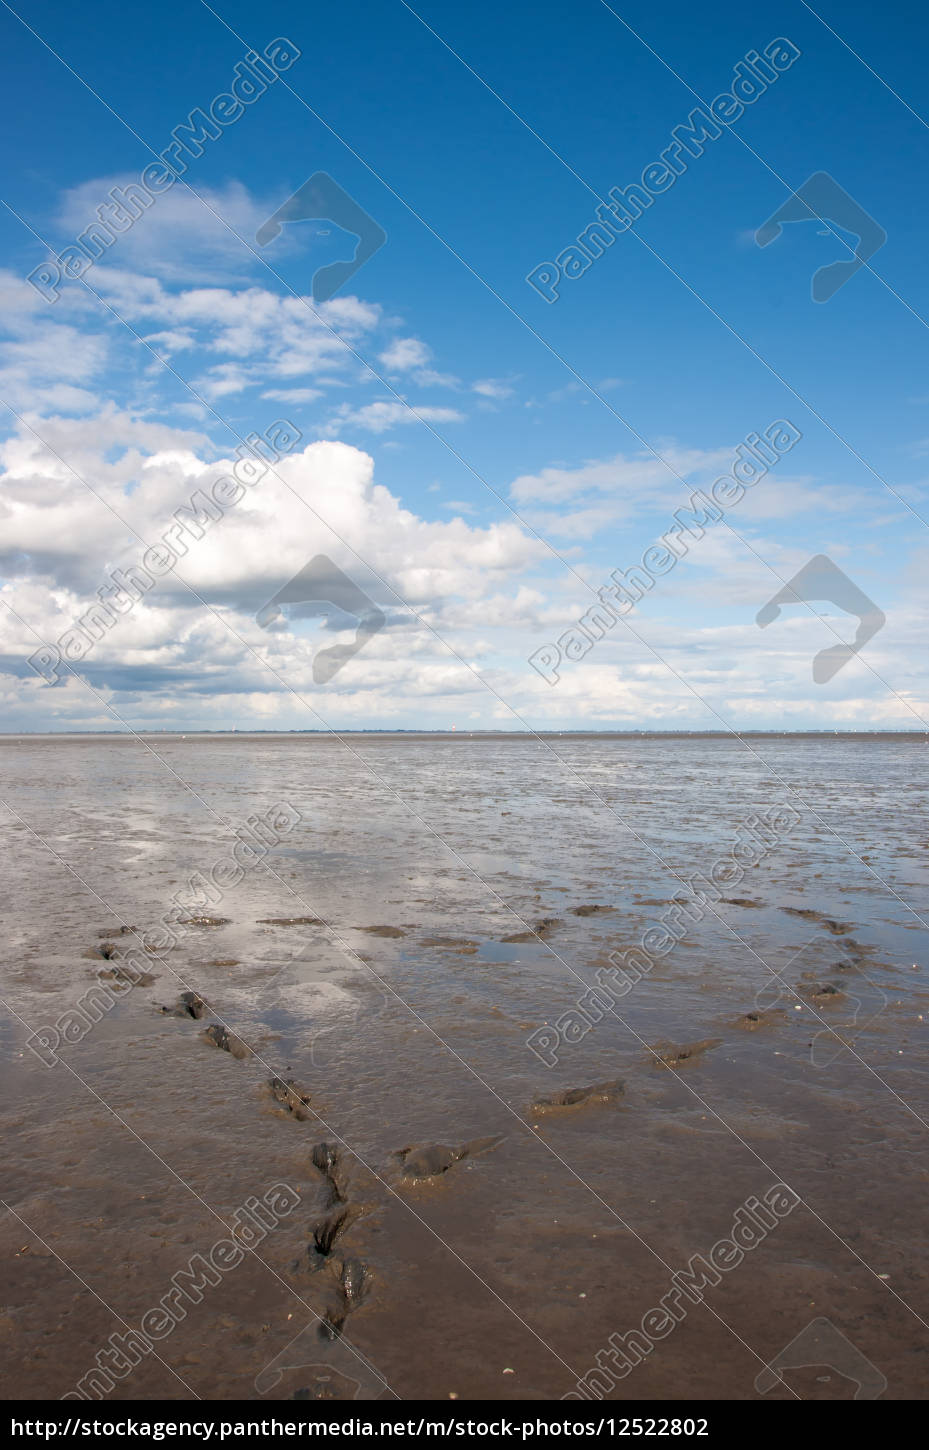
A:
x: 422, y: 734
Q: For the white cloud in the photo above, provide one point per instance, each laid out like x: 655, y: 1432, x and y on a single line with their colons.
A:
x: 493, y: 388
x: 378, y: 417
x: 404, y: 354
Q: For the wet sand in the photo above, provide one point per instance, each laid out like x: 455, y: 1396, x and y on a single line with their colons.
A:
x: 483, y: 1218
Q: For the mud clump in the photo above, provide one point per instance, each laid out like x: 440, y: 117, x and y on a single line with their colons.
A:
x: 219, y: 1036
x: 329, y: 1160
x: 824, y: 992
x: 326, y: 1232
x: 741, y: 901
x: 386, y: 931
x: 540, y: 932
x: 461, y: 945
x: 106, y: 950
x: 350, y: 1289
x: 205, y: 921
x: 291, y: 1097
x: 837, y: 928
x: 355, y: 1280
x: 121, y: 978
x: 673, y: 1055
x: 326, y: 1158
x: 188, y: 1004
x: 290, y: 921
x: 589, y: 910
x: 329, y: 1228
x: 436, y: 1158
x: 599, y: 1092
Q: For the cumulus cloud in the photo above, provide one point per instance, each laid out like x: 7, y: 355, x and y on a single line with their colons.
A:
x: 404, y: 354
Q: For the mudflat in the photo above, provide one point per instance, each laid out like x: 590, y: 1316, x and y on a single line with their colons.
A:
x: 495, y: 1067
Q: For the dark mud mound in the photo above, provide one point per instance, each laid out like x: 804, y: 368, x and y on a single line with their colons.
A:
x: 741, y: 901
x: 461, y: 945
x: 331, y: 1161
x: 205, y: 921
x: 758, y: 1017
x: 671, y: 1054
x: 837, y: 928
x: 188, y: 1004
x: 352, y: 1282
x: 540, y: 932
x: 106, y: 950
x: 436, y: 1158
x: 221, y: 1037
x: 120, y: 977
x: 823, y: 993
x: 598, y: 1092
x: 328, y: 1229
x: 388, y: 931
x: 592, y: 910
x: 294, y: 1099
x: 290, y: 921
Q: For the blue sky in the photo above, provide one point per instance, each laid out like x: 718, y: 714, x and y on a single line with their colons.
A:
x: 475, y: 459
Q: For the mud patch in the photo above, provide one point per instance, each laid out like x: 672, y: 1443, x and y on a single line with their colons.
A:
x: 599, y: 1092
x: 122, y: 978
x: 671, y: 1054
x: 294, y: 1099
x: 823, y: 993
x: 188, y: 1004
x: 837, y: 928
x: 436, y: 1158
x: 290, y: 921
x: 219, y: 1036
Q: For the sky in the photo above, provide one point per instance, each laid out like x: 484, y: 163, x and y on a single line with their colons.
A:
x: 469, y: 438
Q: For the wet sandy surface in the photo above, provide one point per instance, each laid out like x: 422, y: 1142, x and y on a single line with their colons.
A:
x: 432, y: 905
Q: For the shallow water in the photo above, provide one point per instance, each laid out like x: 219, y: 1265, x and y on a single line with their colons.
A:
x: 127, y: 1150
